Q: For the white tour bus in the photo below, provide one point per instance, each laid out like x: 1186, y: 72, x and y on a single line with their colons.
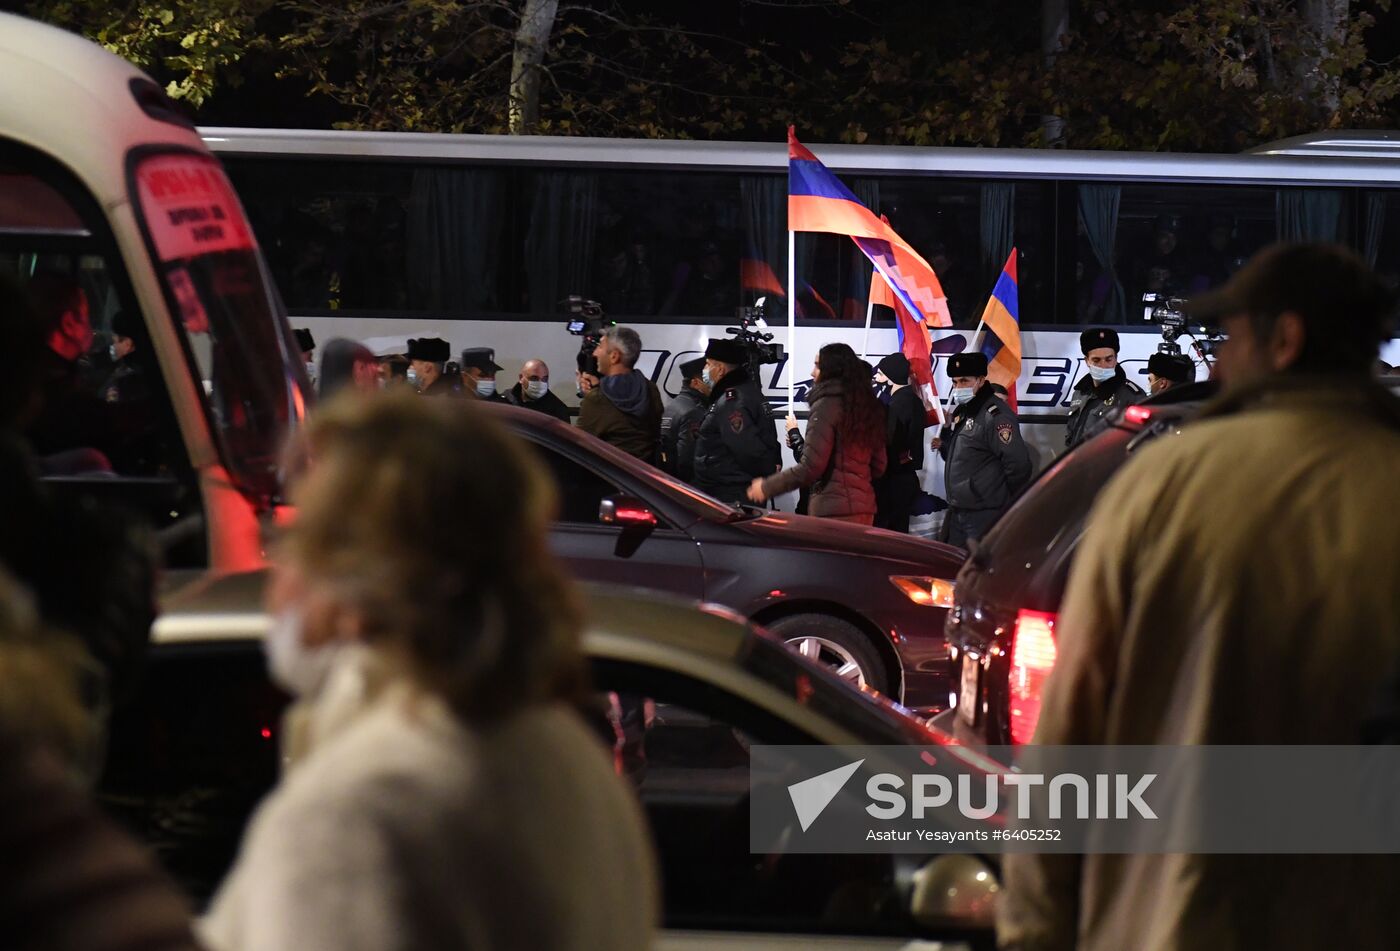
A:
x: 478, y: 239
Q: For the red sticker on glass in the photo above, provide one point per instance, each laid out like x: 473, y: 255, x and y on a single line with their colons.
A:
x: 190, y: 207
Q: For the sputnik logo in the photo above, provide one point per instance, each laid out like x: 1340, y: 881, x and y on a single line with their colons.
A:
x: 811, y: 796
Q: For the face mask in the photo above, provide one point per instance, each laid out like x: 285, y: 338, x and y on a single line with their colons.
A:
x: 485, y: 388
x: 412, y: 377
x: 961, y: 394
x: 536, y: 388
x: 311, y: 371
x: 293, y: 666
x: 112, y: 352
x: 707, y: 377
x: 1102, y: 374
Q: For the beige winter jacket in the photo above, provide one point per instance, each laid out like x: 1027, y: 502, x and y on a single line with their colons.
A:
x: 1238, y: 584
x: 403, y: 829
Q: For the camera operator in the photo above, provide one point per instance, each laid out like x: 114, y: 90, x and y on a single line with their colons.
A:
x: 684, y: 415
x: 1166, y: 370
x: 1104, y: 388
x: 624, y: 410
x: 736, y: 442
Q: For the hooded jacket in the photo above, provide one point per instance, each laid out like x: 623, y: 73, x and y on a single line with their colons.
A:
x: 839, y: 467
x: 624, y: 411
x: 1236, y: 584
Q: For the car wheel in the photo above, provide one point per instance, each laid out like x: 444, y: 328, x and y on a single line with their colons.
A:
x: 836, y: 644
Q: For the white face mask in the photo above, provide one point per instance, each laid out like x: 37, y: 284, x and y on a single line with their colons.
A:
x: 961, y: 394
x: 294, y: 667
x: 1102, y: 374
x: 707, y: 377
x: 112, y: 352
x: 485, y: 388
x: 534, y: 389
x: 412, y: 377
x: 311, y: 371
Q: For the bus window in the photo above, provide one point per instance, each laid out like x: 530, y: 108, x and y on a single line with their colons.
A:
x: 1170, y: 239
x: 1380, y: 235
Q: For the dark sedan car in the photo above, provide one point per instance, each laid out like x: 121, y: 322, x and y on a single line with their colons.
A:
x: 866, y: 602
x: 1002, y: 626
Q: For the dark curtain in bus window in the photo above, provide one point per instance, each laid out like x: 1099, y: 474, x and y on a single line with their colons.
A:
x: 998, y: 202
x: 559, y: 245
x: 455, y: 222
x: 1099, y: 292
x: 1374, y: 227
x: 763, y: 267
x: 1309, y: 214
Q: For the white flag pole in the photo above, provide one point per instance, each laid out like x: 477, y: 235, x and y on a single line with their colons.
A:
x: 792, y: 320
x: 865, y: 341
x: 932, y: 396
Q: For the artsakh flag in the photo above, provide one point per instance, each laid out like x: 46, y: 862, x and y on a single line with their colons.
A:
x: 817, y: 201
x: 914, y: 340
x: 1002, y: 318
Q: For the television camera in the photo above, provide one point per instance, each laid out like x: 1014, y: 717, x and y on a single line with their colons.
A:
x: 1169, y: 313
x: 758, y: 345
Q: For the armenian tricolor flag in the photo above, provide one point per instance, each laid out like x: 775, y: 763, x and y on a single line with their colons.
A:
x: 818, y: 201
x: 1002, y: 343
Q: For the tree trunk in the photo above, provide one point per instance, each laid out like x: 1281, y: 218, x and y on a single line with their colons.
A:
x: 531, y: 41
x: 1326, y: 22
x: 1054, y: 27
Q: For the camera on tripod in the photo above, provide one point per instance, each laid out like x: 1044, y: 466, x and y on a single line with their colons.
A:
x: 758, y: 345
x: 1169, y: 313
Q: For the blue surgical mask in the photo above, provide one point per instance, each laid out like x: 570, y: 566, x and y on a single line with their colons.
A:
x: 412, y: 377
x: 705, y: 375
x: 534, y: 389
x: 1102, y: 374
x: 485, y: 388
x: 961, y: 394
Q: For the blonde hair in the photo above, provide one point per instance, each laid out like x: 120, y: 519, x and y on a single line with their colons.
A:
x: 431, y: 521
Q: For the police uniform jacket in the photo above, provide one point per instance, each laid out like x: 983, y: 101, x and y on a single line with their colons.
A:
x: 685, y: 413
x: 736, y: 442
x: 1093, y: 403
x: 987, y: 460
x: 444, y: 386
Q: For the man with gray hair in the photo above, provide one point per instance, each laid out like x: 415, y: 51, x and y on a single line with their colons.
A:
x: 625, y: 408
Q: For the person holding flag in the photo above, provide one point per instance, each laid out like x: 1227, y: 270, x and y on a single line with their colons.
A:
x: 987, y: 460
x: 898, y: 489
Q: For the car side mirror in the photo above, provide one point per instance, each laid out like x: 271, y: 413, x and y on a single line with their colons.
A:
x: 955, y: 891
x: 626, y: 512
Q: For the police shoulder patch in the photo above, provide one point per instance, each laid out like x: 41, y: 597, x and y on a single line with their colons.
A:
x: 736, y: 421
x: 1004, y: 432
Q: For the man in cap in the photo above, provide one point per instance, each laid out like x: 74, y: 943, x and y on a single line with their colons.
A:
x: 532, y: 392
x: 1235, y: 585
x: 1104, y: 388
x: 987, y: 461
x: 426, y: 358
x: 736, y: 442
x: 307, y: 345
x: 1166, y: 370
x: 897, y: 490
x: 479, y: 369
x: 684, y: 415
x: 624, y: 409
x: 127, y: 380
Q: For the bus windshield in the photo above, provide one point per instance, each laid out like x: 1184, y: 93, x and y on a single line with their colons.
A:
x: 218, y: 290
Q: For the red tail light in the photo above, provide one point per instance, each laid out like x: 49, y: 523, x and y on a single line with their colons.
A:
x: 1137, y: 414
x: 1032, y: 659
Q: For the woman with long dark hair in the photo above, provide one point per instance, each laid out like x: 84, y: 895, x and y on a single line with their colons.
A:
x: 845, y: 450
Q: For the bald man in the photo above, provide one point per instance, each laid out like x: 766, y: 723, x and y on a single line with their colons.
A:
x: 532, y: 391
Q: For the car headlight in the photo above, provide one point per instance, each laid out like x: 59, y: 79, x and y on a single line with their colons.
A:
x: 928, y: 592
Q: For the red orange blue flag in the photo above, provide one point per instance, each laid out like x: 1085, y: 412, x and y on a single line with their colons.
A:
x: 1002, y: 343
x: 818, y: 201
x: 914, y: 340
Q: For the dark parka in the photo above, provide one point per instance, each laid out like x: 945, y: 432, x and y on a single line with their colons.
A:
x: 1092, y: 403
x: 684, y: 414
x: 987, y: 460
x: 736, y: 442
x: 840, y: 468
x: 549, y: 404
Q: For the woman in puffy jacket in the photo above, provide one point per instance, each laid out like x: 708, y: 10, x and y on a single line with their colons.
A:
x: 845, y: 443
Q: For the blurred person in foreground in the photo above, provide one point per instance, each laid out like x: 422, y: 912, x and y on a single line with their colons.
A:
x: 844, y: 451
x: 70, y: 879
x: 531, y: 391
x: 444, y: 793
x: 1238, y: 583
x: 624, y: 410
x: 346, y: 364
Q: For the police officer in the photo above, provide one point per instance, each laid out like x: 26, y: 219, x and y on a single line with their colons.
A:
x: 1102, y: 390
x: 427, y: 357
x: 479, y: 369
x: 1166, y: 370
x: 684, y: 414
x: 736, y: 442
x: 987, y: 462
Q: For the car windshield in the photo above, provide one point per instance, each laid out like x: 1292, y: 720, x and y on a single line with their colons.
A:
x: 218, y: 290
x: 875, y: 719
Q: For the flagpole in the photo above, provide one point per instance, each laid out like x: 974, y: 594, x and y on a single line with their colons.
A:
x: 865, y: 342
x: 792, y: 320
